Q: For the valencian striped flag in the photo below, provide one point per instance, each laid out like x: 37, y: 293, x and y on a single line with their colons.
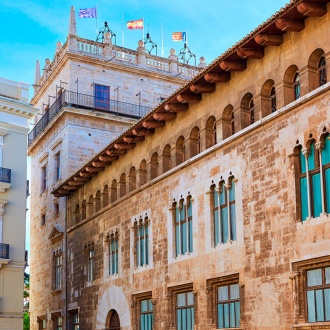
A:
x: 137, y: 24
x: 87, y: 13
x: 179, y: 36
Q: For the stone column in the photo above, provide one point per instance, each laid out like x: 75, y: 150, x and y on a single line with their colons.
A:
x: 257, y: 101
x: 304, y: 81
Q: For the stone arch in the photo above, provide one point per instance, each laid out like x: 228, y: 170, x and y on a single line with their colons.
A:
x: 97, y: 201
x: 179, y: 151
x: 194, y: 142
x: 113, y: 194
x: 90, y: 209
x: 315, y: 69
x: 289, y: 76
x: 228, y: 123
x: 143, y: 172
x: 210, y: 132
x: 113, y: 299
x: 132, y: 179
x: 76, y: 215
x: 267, y: 90
x: 105, y: 196
x: 83, y: 210
x: 247, y: 110
x: 154, y: 166
x: 167, y: 161
x: 122, y: 185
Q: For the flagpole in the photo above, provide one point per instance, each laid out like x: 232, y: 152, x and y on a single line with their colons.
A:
x: 122, y: 29
x: 96, y: 20
x: 162, y: 40
x: 187, y: 37
x: 143, y: 28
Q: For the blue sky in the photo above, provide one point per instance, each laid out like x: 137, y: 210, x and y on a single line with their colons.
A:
x: 31, y: 28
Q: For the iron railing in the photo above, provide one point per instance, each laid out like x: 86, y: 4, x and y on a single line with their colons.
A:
x: 5, y: 175
x: 88, y: 102
x: 4, y: 251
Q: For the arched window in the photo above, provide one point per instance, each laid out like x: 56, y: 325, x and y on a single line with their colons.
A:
x: 113, y: 195
x: 105, y: 195
x: 132, y: 179
x: 322, y: 70
x: 232, y: 123
x: 154, y: 166
x: 194, y: 142
x: 167, y: 161
x: 179, y: 151
x: 83, y: 210
x: 122, y: 185
x: 296, y: 86
x: 114, y: 323
x: 210, y: 132
x: 97, y: 201
x: 251, y: 112
x: 273, y: 99
x: 143, y: 172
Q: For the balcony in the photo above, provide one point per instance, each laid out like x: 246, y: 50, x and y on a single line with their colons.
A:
x: 5, y: 179
x: 87, y: 102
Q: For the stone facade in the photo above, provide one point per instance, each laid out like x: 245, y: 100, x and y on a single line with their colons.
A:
x: 73, y: 124
x: 206, y: 207
x: 15, y: 113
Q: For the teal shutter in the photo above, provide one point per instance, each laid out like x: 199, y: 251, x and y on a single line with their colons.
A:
x: 326, y: 150
x: 302, y: 162
x: 311, y: 306
x: 190, y: 228
x: 311, y: 157
x: 327, y: 189
x: 303, y: 199
x: 316, y: 189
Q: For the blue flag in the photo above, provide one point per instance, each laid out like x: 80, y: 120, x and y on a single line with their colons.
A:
x: 87, y: 13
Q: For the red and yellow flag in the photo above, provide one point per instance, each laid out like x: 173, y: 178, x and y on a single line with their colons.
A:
x: 137, y: 24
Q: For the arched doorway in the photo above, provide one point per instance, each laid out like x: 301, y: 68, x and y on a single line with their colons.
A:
x: 114, y: 323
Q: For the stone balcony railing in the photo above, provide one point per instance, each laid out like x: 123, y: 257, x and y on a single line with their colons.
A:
x: 108, y: 52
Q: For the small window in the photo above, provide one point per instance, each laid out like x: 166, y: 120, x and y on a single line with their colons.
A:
x: 322, y: 70
x: 58, y: 322
x: 43, y: 324
x: 43, y: 219
x: 75, y: 321
x: 102, y: 97
x: 185, y: 311
x: 296, y: 86
x: 251, y: 112
x: 57, y: 166
x: 43, y: 178
x: 273, y: 99
x: 91, y: 265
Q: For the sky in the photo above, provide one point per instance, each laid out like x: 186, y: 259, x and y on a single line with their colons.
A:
x: 29, y: 29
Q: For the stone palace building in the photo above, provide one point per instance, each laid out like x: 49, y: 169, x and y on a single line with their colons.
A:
x: 89, y: 94
x: 210, y: 211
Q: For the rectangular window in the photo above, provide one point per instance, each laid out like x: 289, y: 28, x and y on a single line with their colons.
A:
x: 102, y: 97
x: 141, y: 228
x: 146, y: 314
x: 43, y: 178
x: 90, y: 265
x: 42, y: 324
x: 113, y: 254
x: 228, y: 306
x: 43, y: 219
x: 185, y: 311
x: 318, y: 294
x: 58, y: 322
x: 75, y: 321
x: 224, y: 213
x: 58, y: 272
x: 183, y: 227
x: 57, y: 166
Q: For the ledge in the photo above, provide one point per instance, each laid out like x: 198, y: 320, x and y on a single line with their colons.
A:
x: 4, y: 262
x: 4, y: 186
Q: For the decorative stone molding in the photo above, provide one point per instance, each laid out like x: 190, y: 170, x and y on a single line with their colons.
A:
x: 2, y: 208
x: 4, y: 186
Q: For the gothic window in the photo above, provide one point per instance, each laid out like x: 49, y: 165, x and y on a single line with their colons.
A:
x: 322, y: 70
x: 296, y: 86
x: 185, y: 310
x: 113, y: 253
x: 141, y: 229
x: 224, y: 212
x: 314, y: 179
x: 102, y: 97
x: 273, y: 99
x: 183, y: 226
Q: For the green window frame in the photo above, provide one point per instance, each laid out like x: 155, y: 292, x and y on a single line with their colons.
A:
x: 113, y: 254
x: 141, y: 229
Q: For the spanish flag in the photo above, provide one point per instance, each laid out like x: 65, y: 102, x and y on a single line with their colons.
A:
x: 134, y: 25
